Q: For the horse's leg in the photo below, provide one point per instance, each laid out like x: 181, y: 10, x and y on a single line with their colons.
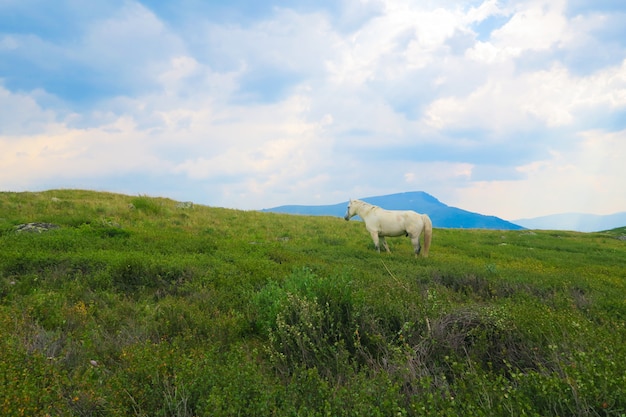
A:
x: 415, y: 240
x: 385, y: 245
x: 375, y: 239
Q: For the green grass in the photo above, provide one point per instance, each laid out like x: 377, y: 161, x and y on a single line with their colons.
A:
x: 135, y: 306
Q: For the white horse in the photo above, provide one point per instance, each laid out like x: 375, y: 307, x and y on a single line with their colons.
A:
x: 380, y: 223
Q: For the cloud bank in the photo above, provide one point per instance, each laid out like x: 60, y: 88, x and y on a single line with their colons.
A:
x: 510, y: 108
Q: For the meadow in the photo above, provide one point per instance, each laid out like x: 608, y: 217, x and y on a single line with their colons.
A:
x: 142, y: 306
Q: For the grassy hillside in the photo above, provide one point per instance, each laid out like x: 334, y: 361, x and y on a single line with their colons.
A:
x: 140, y: 306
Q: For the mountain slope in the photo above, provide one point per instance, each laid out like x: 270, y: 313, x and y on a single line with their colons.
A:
x: 578, y: 222
x: 441, y: 214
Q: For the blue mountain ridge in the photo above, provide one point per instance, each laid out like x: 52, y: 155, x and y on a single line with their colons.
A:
x: 441, y: 214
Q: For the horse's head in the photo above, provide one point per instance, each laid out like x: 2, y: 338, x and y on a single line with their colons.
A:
x: 350, y: 210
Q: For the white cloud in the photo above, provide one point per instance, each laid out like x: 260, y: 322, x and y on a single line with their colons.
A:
x: 509, y: 100
x: 67, y: 153
x: 259, y: 141
x: 130, y: 36
x: 288, y: 41
x: 442, y: 176
x: 181, y: 67
x: 534, y: 26
x: 21, y: 114
x: 485, y: 10
x: 586, y: 177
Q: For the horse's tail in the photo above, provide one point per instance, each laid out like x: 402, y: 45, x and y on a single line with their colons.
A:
x: 428, y: 233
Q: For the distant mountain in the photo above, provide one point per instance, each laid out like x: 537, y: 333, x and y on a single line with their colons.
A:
x: 441, y: 214
x: 578, y: 222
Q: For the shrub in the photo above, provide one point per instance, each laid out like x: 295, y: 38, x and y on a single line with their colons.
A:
x: 147, y: 205
x: 310, y: 321
x: 28, y: 384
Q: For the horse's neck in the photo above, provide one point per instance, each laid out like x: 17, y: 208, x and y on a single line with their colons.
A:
x: 366, y: 208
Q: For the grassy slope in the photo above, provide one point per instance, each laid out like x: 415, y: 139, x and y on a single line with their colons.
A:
x: 159, y: 310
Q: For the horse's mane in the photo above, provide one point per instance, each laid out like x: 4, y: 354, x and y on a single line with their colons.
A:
x: 363, y: 203
x: 367, y: 206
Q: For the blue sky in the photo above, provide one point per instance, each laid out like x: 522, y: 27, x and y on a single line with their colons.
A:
x: 509, y: 108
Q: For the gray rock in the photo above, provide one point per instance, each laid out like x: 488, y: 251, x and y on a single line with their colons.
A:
x: 35, y: 227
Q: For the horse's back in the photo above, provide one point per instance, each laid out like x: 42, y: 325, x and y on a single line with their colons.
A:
x: 398, y: 222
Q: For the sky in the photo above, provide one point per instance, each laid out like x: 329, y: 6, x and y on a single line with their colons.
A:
x: 512, y: 108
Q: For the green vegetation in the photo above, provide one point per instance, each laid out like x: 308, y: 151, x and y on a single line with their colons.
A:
x: 138, y: 306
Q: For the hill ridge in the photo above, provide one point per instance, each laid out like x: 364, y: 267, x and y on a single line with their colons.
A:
x: 441, y: 214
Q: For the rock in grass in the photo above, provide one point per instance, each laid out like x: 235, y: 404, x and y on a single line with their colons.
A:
x: 35, y: 227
